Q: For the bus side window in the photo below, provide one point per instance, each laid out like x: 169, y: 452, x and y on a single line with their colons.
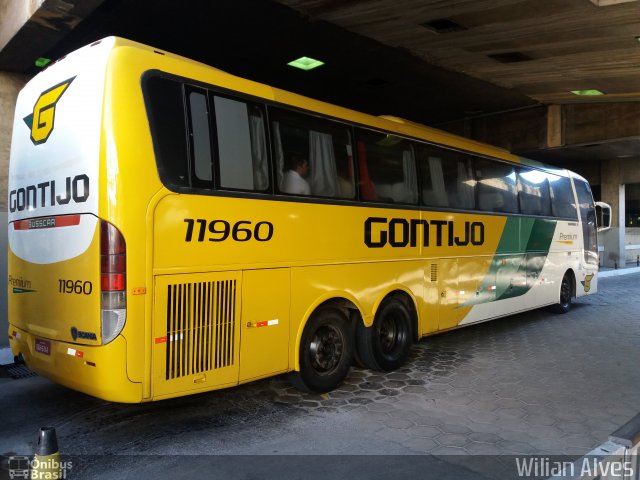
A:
x: 200, y: 137
x: 533, y: 192
x: 165, y: 109
x: 242, y: 145
x: 562, y: 202
x: 389, y: 163
x: 446, y: 178
x: 324, y: 146
x: 496, y: 187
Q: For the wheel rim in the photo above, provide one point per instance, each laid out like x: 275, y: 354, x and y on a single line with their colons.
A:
x: 326, y: 349
x: 391, y: 333
x: 565, y: 292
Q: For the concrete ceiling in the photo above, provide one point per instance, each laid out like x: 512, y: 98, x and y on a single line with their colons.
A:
x: 470, y: 66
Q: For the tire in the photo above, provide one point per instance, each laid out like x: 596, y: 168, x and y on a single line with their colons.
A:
x: 386, y: 344
x: 566, y: 291
x: 326, y: 352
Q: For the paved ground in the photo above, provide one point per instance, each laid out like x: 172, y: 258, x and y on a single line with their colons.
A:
x: 474, y: 400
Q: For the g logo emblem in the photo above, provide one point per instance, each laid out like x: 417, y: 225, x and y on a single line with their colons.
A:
x: 587, y: 282
x: 44, y: 111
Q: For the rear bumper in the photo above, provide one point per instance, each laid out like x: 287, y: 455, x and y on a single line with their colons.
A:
x: 99, y: 371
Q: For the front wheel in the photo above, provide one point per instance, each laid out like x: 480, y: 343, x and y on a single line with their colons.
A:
x: 326, y: 352
x: 566, y: 291
x: 385, y: 345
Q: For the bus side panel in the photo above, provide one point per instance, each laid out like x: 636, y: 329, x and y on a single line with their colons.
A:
x: 365, y: 284
x: 265, y: 323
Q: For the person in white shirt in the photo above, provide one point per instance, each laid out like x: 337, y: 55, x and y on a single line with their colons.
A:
x: 293, y: 181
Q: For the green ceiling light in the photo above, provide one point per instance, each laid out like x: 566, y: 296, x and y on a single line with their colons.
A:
x: 305, y: 63
x: 42, y: 62
x: 587, y: 93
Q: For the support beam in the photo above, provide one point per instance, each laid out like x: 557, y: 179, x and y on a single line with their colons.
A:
x: 29, y: 28
x: 573, y: 135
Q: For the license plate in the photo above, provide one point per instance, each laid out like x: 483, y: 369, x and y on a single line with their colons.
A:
x: 43, y: 346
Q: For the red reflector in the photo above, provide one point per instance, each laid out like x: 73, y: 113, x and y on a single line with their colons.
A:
x: 112, y: 282
x: 113, y: 259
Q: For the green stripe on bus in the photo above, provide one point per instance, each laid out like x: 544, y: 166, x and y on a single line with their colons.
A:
x: 528, y: 235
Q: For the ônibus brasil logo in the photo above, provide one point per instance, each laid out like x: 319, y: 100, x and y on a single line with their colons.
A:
x: 41, y: 120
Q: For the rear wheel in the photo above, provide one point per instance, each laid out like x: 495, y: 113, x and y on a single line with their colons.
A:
x: 386, y: 344
x: 326, y: 352
x: 566, y: 292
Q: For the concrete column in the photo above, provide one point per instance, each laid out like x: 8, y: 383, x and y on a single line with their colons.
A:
x: 613, y: 193
x: 10, y: 85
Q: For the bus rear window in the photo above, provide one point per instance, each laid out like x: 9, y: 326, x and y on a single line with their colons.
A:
x: 205, y: 141
x: 165, y: 108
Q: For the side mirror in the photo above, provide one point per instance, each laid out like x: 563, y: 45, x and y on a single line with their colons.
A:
x: 603, y: 216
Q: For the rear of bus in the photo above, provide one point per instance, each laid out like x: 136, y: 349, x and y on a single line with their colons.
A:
x: 66, y: 265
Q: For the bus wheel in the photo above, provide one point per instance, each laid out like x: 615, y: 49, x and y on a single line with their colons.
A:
x: 566, y: 290
x: 386, y: 344
x: 326, y: 352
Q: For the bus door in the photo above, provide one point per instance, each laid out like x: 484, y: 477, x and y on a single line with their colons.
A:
x: 589, y: 235
x: 196, y: 331
x: 588, y: 220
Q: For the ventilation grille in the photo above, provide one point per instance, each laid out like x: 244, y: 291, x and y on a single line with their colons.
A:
x: 434, y: 272
x: 200, y: 327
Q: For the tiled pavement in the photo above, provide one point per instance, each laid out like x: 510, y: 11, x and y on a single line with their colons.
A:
x: 535, y: 383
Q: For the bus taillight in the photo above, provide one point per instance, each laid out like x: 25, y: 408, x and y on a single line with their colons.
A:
x: 113, y: 281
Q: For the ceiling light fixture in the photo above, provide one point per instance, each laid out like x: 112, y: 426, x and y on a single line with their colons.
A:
x: 587, y: 93
x: 42, y: 62
x: 305, y: 63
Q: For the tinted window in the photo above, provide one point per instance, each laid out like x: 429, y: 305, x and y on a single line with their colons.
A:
x: 496, y: 187
x: 387, y: 168
x: 199, y: 135
x: 562, y: 201
x: 165, y: 109
x: 313, y: 156
x: 242, y: 146
x: 446, y: 178
x: 533, y: 192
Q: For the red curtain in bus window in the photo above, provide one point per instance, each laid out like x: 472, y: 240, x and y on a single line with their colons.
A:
x: 367, y: 188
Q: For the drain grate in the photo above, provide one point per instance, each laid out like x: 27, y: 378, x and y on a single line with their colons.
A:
x: 18, y: 371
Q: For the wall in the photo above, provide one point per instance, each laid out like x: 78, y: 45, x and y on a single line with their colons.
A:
x: 10, y: 85
x: 632, y: 241
x: 615, y: 174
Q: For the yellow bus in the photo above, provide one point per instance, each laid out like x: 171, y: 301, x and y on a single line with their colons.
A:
x: 175, y: 229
